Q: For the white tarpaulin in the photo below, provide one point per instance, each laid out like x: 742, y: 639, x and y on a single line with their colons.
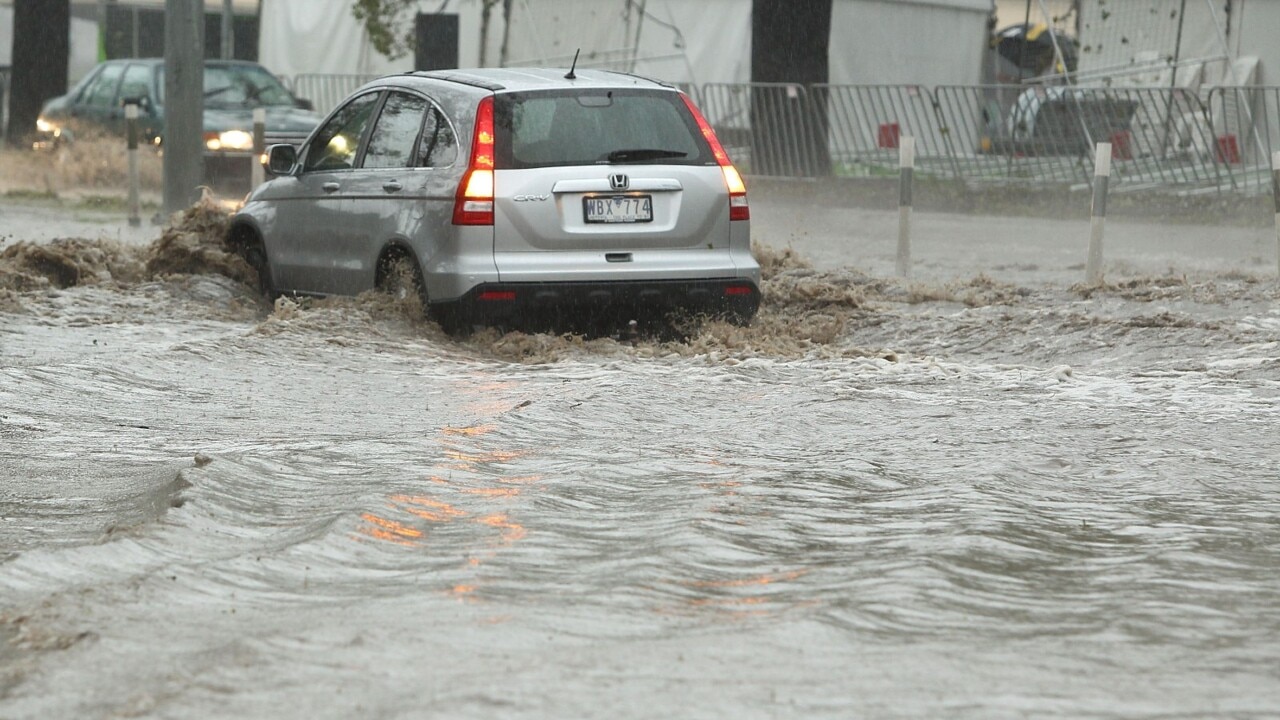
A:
x: 1134, y: 41
x: 924, y: 42
x: 872, y: 41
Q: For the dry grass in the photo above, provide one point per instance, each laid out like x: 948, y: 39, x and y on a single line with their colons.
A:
x: 90, y: 165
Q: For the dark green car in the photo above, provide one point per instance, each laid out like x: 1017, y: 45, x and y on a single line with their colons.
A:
x: 232, y: 89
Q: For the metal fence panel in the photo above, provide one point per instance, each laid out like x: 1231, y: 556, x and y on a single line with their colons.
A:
x: 863, y: 124
x: 767, y: 128
x: 1246, y: 131
x: 326, y: 91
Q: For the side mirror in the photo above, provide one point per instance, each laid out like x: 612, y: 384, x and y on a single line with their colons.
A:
x: 304, y: 104
x: 281, y: 159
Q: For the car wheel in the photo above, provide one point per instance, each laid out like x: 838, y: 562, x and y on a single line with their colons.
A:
x: 256, y: 256
x: 400, y: 277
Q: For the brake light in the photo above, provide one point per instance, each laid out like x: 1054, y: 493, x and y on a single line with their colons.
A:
x: 738, y: 207
x: 496, y: 295
x: 474, y: 202
x: 737, y: 290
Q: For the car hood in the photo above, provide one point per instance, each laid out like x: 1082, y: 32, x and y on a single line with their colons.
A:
x: 279, y: 119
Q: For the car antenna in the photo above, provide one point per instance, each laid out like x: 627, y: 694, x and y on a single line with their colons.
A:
x: 571, y: 75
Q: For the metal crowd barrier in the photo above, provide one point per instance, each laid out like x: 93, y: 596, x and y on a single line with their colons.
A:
x: 1160, y: 137
x: 864, y: 124
x: 1246, y: 124
x: 768, y: 129
x: 326, y: 91
x: 1219, y: 138
x: 1046, y: 134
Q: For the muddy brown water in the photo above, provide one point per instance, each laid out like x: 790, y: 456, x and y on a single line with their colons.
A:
x: 884, y: 499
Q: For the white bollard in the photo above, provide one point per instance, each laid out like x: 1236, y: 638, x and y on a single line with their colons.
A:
x: 1101, y: 174
x: 906, y: 163
x: 256, y: 175
x: 131, y: 121
x: 1275, y: 194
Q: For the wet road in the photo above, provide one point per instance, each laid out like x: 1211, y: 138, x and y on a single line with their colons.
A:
x: 887, y: 500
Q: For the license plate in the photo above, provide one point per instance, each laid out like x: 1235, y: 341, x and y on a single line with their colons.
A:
x: 618, y: 209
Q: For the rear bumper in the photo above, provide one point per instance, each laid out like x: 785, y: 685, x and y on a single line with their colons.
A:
x: 535, y: 302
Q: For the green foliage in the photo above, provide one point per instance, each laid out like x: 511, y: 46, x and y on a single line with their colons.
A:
x: 388, y: 24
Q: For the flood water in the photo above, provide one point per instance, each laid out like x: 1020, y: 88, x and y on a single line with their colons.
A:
x: 886, y: 499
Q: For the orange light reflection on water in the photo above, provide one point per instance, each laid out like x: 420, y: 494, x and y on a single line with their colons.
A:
x: 493, y: 492
x: 747, y: 582
x: 511, y: 531
x: 428, y: 508
x: 471, y: 431
x: 492, y: 456
x: 381, y: 528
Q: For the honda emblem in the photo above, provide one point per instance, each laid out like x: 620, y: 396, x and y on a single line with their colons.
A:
x: 618, y: 181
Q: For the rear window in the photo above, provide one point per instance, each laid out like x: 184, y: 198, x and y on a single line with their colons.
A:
x: 596, y: 127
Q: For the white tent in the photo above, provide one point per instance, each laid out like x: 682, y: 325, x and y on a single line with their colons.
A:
x: 872, y: 41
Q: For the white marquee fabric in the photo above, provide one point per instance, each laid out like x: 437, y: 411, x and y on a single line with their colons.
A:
x: 872, y: 41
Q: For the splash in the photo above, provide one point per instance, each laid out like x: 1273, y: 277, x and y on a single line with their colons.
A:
x: 68, y: 262
x: 193, y: 244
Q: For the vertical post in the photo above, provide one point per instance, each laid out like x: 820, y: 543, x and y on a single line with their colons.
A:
x: 102, y: 30
x: 1101, y: 174
x: 259, y: 146
x: 228, y: 31
x: 131, y: 119
x: 1275, y: 194
x: 184, y: 102
x: 906, y: 164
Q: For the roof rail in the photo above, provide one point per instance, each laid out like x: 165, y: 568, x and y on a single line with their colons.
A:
x: 460, y: 78
x: 638, y: 76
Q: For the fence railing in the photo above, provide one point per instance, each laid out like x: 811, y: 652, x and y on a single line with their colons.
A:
x: 326, y: 91
x: 1218, y: 139
x: 1215, y: 139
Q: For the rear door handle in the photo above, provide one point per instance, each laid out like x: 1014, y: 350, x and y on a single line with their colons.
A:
x: 330, y: 187
x: 392, y: 186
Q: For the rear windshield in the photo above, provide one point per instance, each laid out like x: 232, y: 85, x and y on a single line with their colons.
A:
x: 595, y: 127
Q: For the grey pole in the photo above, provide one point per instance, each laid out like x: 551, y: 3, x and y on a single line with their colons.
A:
x: 131, y: 118
x: 1101, y: 174
x: 1275, y: 193
x: 228, y: 30
x: 256, y: 174
x: 184, y: 102
x: 906, y: 164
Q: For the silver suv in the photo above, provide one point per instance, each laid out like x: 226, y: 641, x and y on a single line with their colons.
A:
x: 504, y: 195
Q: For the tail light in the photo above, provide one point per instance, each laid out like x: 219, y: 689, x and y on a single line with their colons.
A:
x: 474, y: 202
x: 738, y: 208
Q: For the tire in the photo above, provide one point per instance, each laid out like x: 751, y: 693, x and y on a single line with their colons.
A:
x: 400, y: 277
x: 256, y: 256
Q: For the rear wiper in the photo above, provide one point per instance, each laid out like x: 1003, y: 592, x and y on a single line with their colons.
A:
x: 642, y: 154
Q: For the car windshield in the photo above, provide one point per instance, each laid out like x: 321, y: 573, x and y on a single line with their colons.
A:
x: 596, y: 127
x: 239, y: 86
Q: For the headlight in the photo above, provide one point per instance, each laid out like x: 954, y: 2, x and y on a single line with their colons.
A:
x: 45, y: 126
x: 229, y: 140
